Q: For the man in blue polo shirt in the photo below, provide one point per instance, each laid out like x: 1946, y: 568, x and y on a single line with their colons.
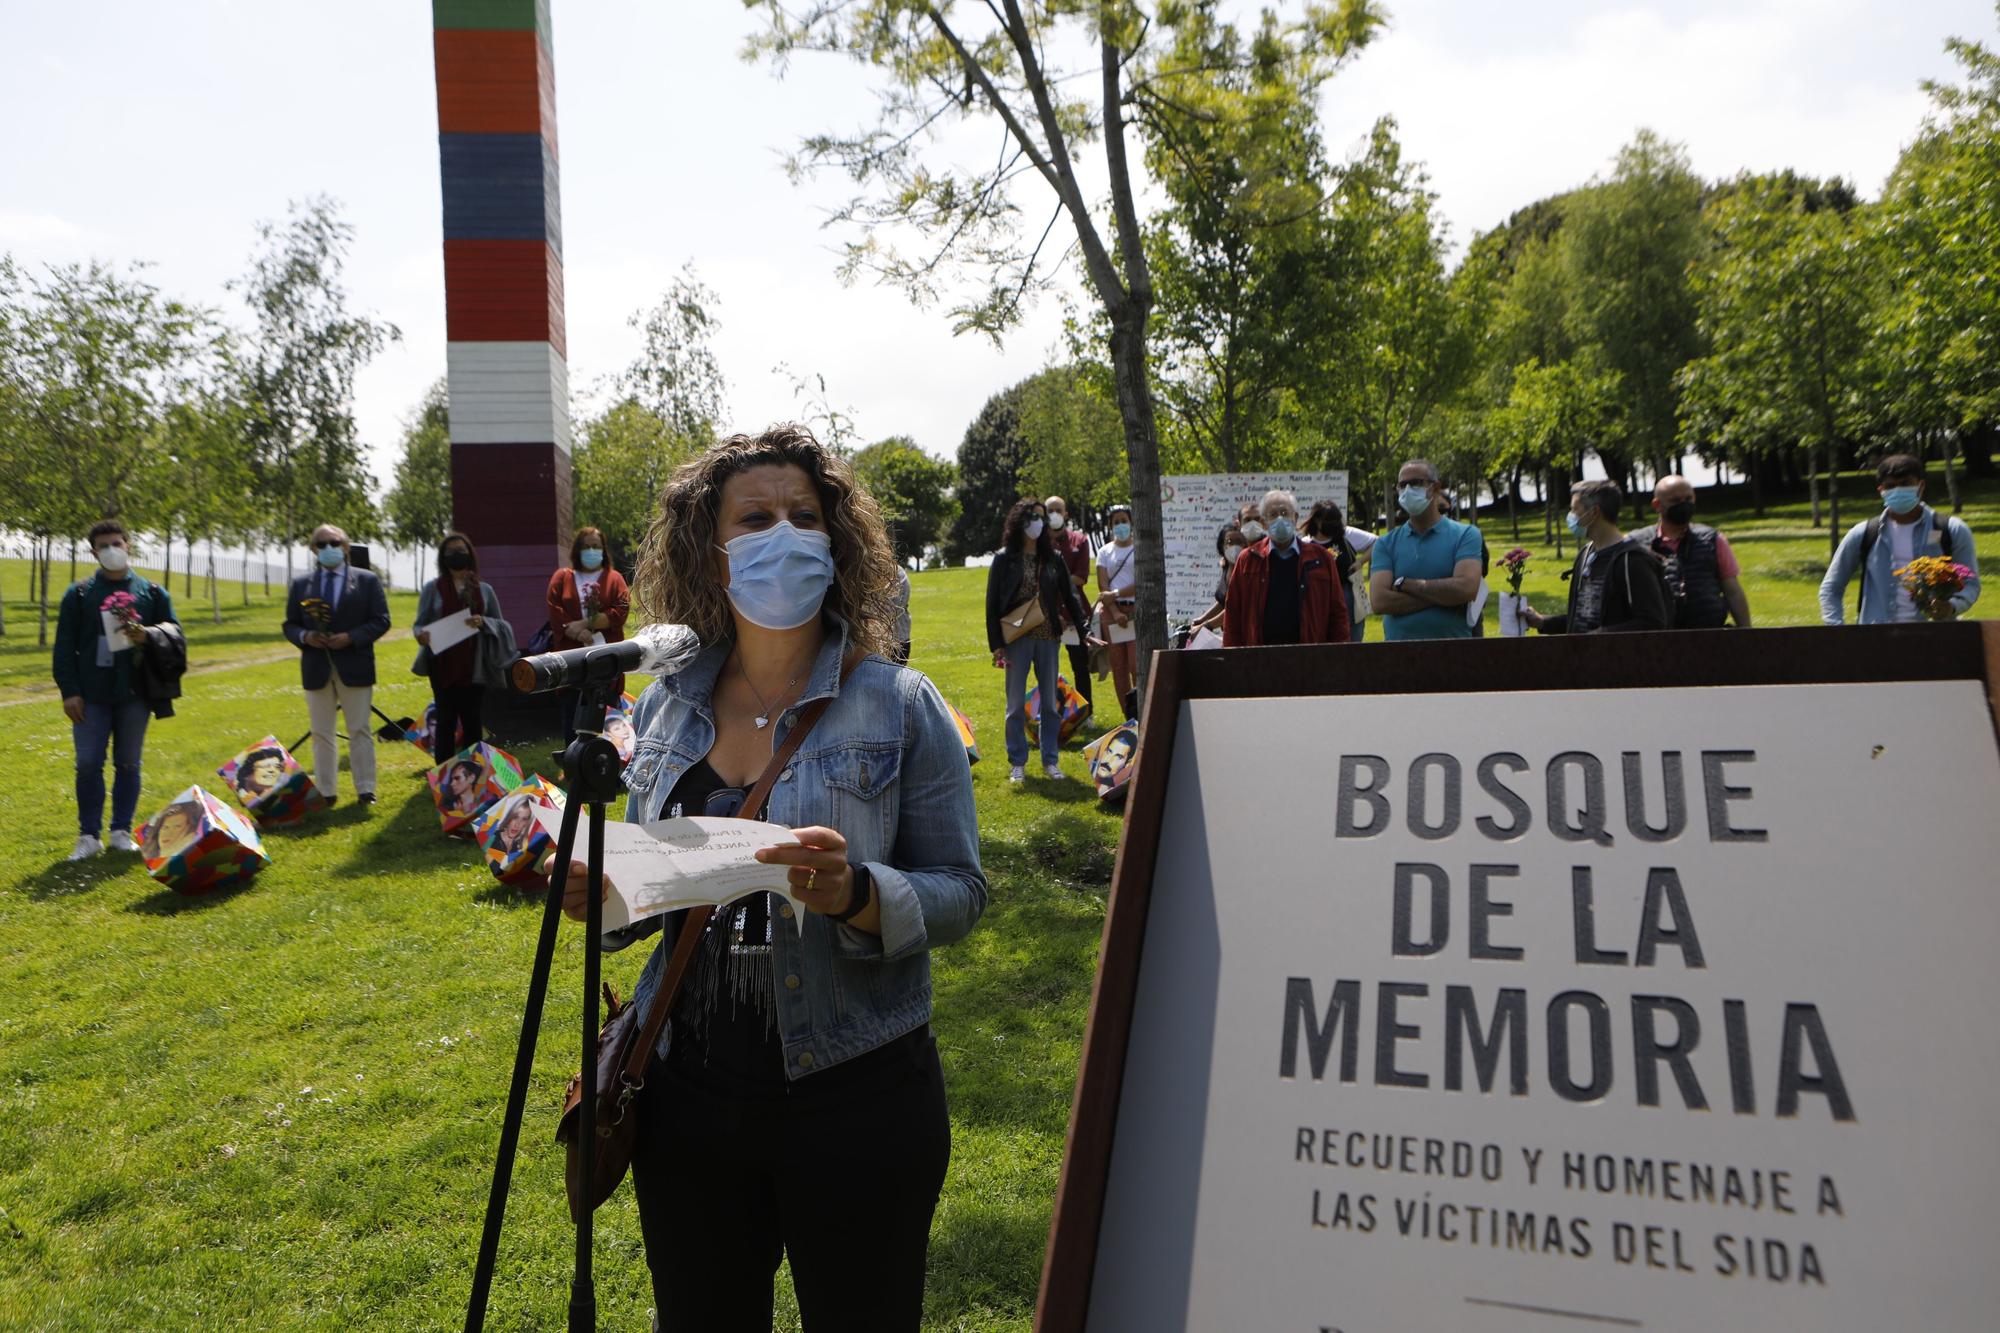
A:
x: 1426, y: 571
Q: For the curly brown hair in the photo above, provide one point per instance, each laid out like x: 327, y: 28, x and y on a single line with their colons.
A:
x: 675, y: 583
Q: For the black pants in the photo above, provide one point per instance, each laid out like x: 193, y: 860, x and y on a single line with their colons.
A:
x: 1079, y: 669
x: 842, y: 1181
x: 457, y: 705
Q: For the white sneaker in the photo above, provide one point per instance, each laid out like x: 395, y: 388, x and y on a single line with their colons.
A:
x: 122, y: 841
x: 1016, y: 775
x: 87, y: 846
x: 1054, y: 773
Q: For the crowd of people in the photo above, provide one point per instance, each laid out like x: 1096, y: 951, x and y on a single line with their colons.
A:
x: 800, y: 1051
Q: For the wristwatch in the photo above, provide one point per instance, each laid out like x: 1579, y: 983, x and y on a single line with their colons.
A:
x: 1397, y: 586
x: 863, y: 891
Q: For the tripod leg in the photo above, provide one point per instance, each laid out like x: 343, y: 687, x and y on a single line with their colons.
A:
x: 524, y: 1061
x: 583, y: 1290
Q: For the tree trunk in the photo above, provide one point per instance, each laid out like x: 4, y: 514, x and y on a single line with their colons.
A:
x: 1948, y: 448
x: 1513, y: 502
x: 1756, y: 488
x: 48, y: 554
x: 214, y: 589
x: 264, y: 570
x: 1142, y: 461
x: 72, y: 560
x: 1812, y: 483
x: 1833, y: 500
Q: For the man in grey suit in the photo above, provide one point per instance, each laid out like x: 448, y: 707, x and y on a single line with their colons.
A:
x: 334, y: 615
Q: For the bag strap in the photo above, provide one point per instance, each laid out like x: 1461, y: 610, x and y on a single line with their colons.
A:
x: 698, y: 917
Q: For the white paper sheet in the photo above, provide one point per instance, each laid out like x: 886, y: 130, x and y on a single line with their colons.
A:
x: 1476, y: 608
x: 449, y: 631
x: 675, y: 863
x: 114, y: 633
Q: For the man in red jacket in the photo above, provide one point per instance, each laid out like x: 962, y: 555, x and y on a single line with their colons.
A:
x: 1283, y: 589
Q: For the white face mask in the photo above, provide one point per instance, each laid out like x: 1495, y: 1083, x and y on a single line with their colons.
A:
x: 1254, y: 530
x: 1055, y: 522
x: 1034, y: 529
x: 1229, y: 554
x: 115, y: 559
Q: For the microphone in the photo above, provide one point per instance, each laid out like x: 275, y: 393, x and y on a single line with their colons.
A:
x: 656, y: 650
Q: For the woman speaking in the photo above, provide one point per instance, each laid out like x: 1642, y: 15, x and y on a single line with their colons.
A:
x: 795, y: 1106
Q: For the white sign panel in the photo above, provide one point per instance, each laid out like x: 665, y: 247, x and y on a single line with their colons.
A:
x: 1195, y: 507
x: 1672, y: 1011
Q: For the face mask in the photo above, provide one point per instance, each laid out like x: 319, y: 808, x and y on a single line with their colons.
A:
x: 330, y: 557
x: 1121, y: 532
x: 1576, y: 525
x: 1414, y: 499
x: 115, y: 559
x: 458, y: 560
x: 778, y: 577
x: 1230, y: 553
x: 1900, y: 499
x: 1055, y: 522
x: 1034, y: 529
x: 1282, y: 531
x: 1254, y: 530
x: 1680, y: 511
x: 592, y: 557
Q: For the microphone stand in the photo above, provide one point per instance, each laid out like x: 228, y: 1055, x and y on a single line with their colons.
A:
x: 590, y: 777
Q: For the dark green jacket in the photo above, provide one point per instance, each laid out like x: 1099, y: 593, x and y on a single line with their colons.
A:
x: 79, y: 668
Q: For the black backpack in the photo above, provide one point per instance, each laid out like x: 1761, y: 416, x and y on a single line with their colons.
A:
x: 1872, y: 533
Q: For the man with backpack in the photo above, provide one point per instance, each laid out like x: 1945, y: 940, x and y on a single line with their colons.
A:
x: 1704, y: 584
x: 1617, y: 584
x: 1876, y: 548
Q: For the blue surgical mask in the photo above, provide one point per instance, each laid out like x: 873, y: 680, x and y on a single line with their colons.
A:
x: 1282, y: 531
x: 778, y: 577
x: 1900, y: 499
x: 1576, y: 525
x: 592, y: 557
x: 1414, y: 499
x: 1121, y: 532
x: 330, y: 557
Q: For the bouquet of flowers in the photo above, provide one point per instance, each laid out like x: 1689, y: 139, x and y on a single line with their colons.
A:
x: 592, y: 602
x: 1515, y: 564
x: 1932, y: 581
x: 317, y: 611
x: 124, y: 608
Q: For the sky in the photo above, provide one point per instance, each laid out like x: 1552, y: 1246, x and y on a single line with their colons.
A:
x: 164, y: 133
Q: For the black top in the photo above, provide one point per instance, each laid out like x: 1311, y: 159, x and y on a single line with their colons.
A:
x: 1281, y: 599
x: 725, y: 1024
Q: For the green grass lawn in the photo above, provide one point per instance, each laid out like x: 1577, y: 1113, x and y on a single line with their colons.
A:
x: 277, y: 1108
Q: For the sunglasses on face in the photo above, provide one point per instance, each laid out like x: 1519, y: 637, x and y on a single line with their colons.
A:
x: 321, y: 546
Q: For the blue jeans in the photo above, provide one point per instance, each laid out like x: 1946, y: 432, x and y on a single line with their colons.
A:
x: 123, y: 727
x: 1045, y: 655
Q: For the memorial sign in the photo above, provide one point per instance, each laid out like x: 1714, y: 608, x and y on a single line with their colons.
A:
x: 1663, y: 1006
x: 1193, y: 508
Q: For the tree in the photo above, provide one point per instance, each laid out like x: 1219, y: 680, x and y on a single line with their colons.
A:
x: 418, y: 505
x: 1075, y: 442
x: 298, y: 374
x: 1628, y: 245
x: 1010, y: 66
x: 676, y: 378
x: 91, y: 360
x: 990, y: 459
x: 620, y: 467
x: 1552, y: 415
x: 1786, y: 301
x: 913, y: 489
x: 204, y: 474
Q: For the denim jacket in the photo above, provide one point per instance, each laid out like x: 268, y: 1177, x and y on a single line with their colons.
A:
x: 1877, y: 605
x: 885, y: 767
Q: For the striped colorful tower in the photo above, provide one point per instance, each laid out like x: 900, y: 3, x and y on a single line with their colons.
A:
x: 506, y: 358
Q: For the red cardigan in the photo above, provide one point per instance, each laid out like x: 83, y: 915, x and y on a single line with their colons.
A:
x: 1322, y: 606
x: 614, y: 603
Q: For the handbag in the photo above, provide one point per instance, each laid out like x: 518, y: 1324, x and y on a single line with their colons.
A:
x: 626, y: 1040
x: 1023, y: 619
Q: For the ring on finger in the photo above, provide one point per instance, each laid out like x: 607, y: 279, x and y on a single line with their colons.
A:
x: 811, y: 875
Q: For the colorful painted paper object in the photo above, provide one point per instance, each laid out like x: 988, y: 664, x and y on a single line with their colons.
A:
x: 467, y: 784
x: 618, y: 726
x: 510, y: 836
x: 197, y: 844
x: 423, y: 734
x: 271, y: 785
x: 1074, y: 711
x: 1114, y: 760
x: 964, y: 732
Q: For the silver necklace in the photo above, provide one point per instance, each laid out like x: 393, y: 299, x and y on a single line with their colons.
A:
x: 763, y: 718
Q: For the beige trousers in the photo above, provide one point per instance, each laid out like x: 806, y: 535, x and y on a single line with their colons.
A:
x: 352, y: 701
